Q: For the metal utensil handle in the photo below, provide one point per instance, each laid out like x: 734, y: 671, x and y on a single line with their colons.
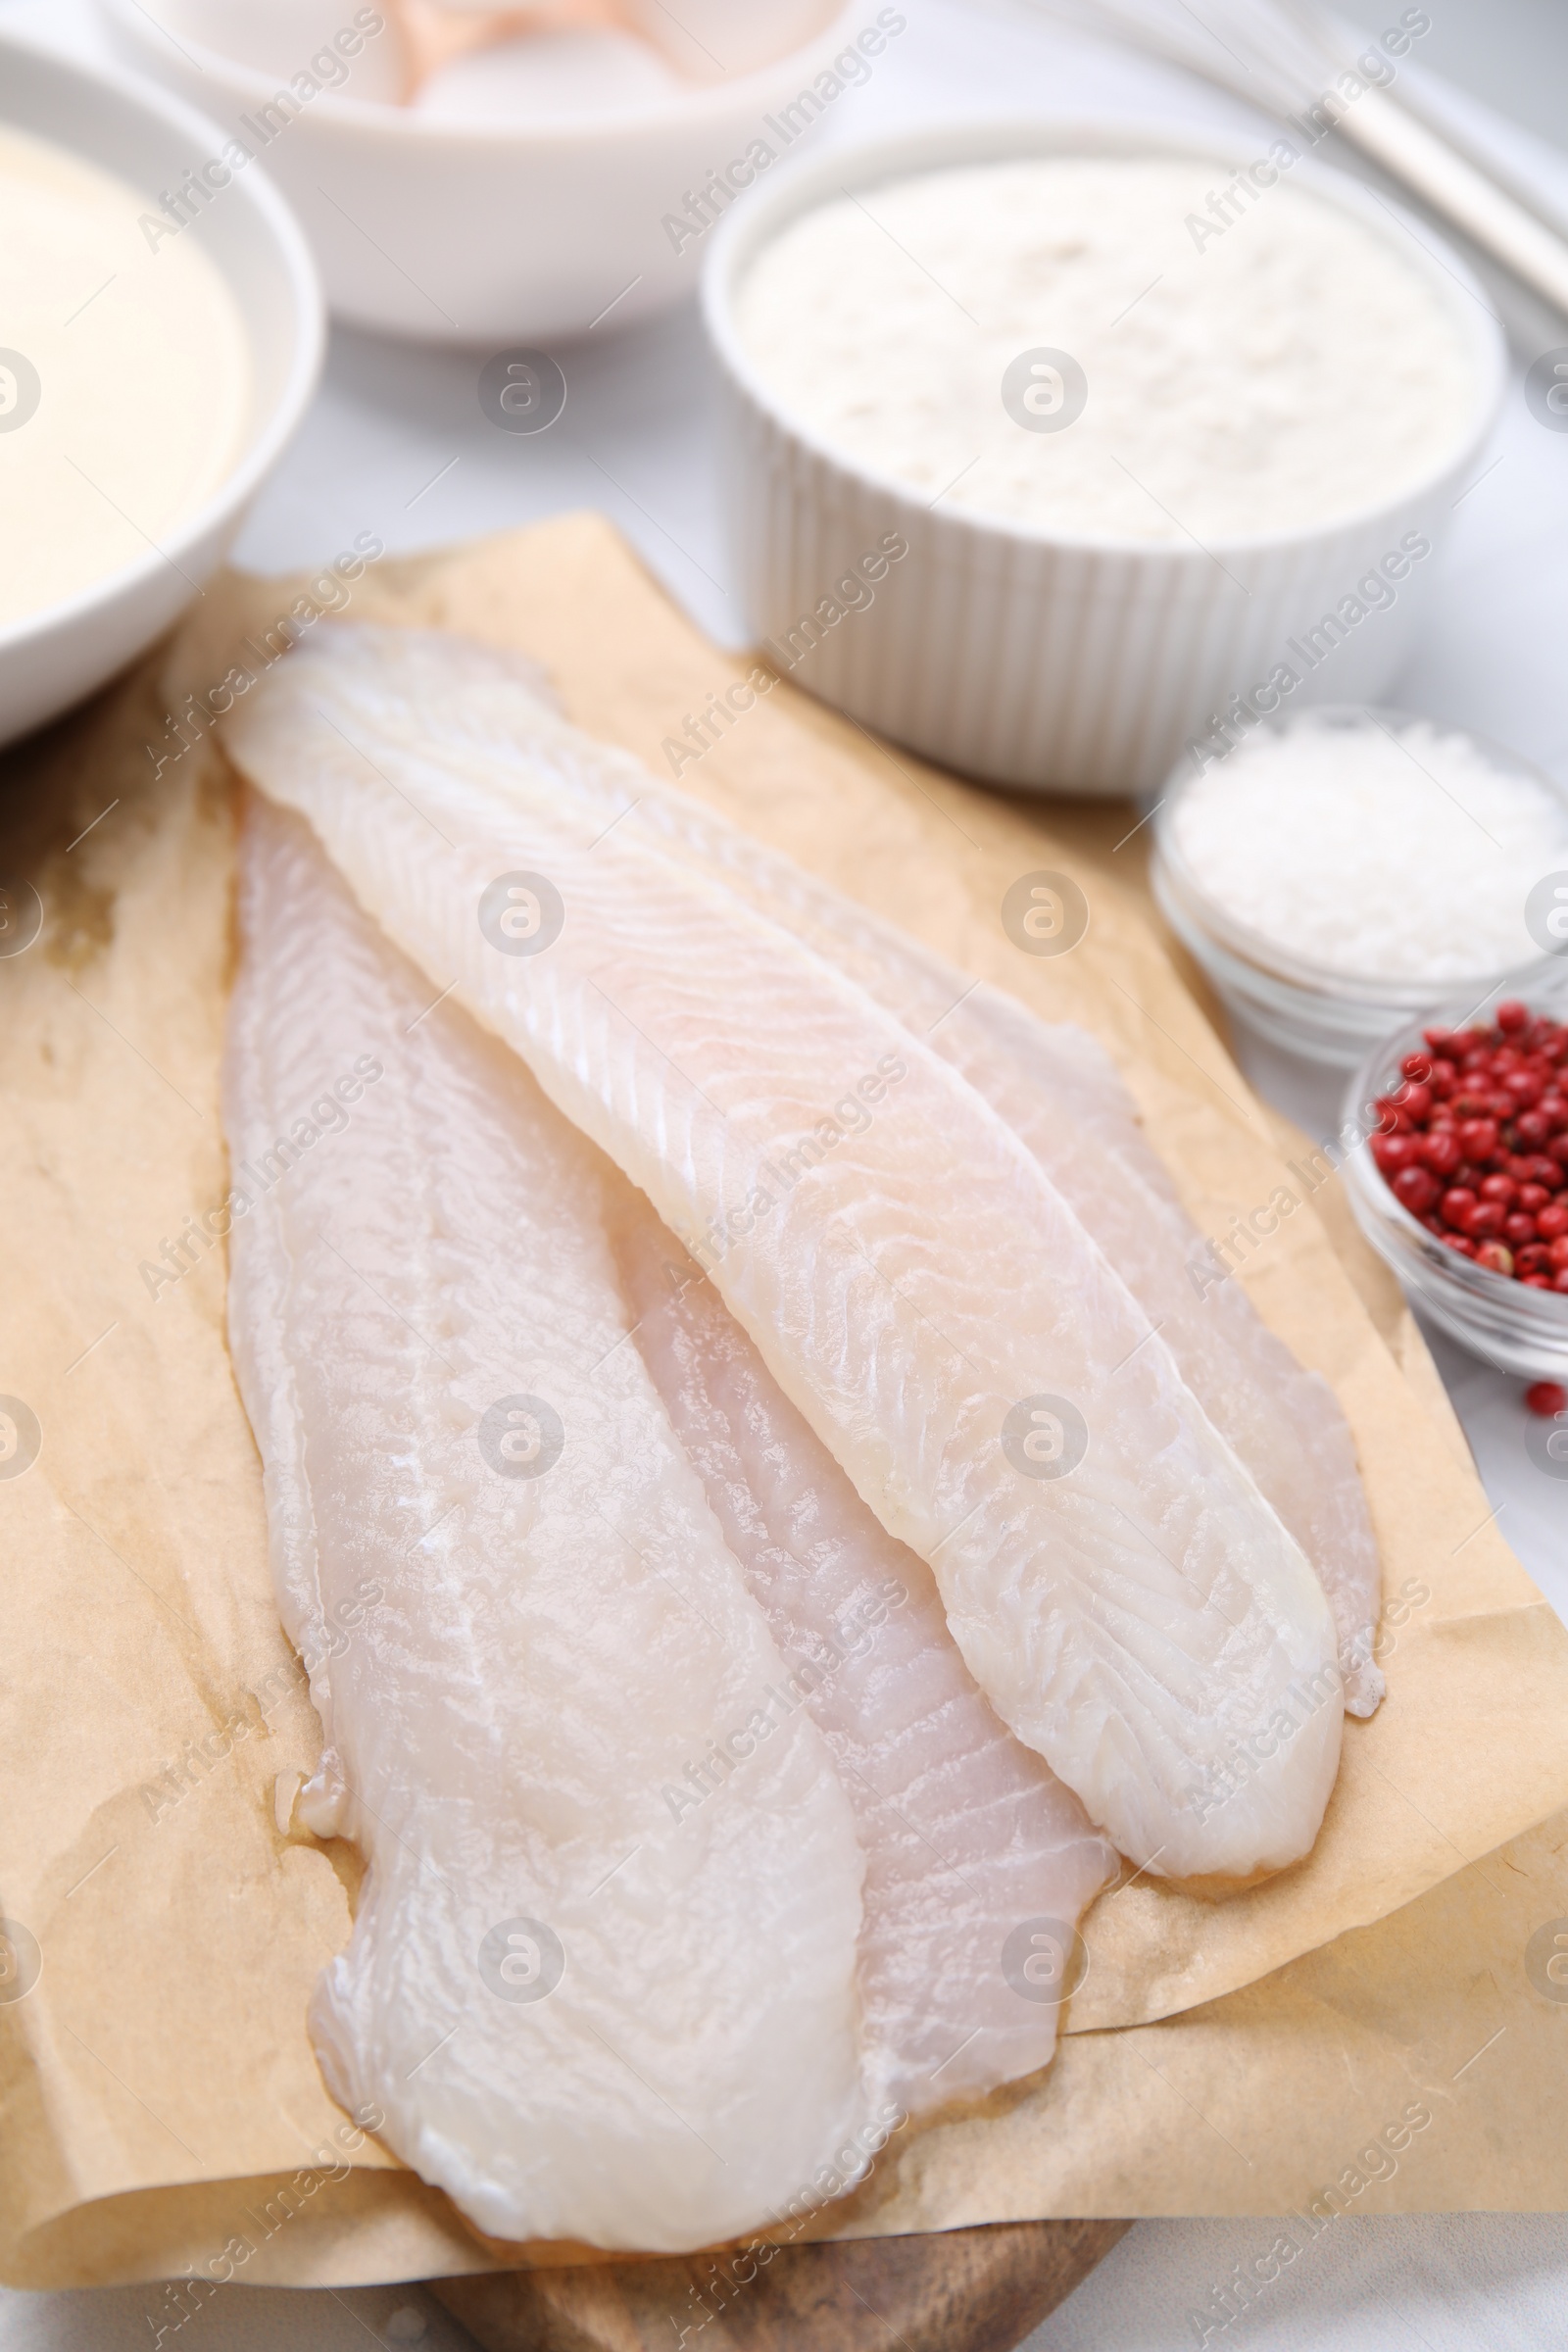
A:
x: 1427, y: 165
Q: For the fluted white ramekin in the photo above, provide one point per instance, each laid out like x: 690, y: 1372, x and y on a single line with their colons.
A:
x: 1028, y: 657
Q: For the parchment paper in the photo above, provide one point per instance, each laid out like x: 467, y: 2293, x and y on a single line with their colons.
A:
x: 156, y: 2083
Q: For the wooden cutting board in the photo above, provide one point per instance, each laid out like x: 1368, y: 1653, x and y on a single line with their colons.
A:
x: 950, y: 2290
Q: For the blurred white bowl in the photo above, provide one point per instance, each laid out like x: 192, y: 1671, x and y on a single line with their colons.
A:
x: 53, y: 657
x: 471, y: 230
x: 1009, y: 652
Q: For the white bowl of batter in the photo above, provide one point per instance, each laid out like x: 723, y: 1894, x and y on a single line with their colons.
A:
x: 150, y: 378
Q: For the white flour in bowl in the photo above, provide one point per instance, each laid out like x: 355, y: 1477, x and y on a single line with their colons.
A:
x: 1285, y: 370
x: 1398, y: 852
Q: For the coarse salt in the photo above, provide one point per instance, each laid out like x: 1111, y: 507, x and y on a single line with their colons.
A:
x: 1382, y: 852
x: 1287, y: 368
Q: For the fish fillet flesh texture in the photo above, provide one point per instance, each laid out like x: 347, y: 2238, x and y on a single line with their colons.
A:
x: 1062, y: 1096
x: 1053, y: 1085
x: 1284, y: 1422
x: 1121, y: 1590
x: 583, y: 2018
x: 979, y: 1861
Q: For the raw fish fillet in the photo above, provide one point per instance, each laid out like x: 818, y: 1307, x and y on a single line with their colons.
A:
x: 978, y: 1860
x: 1060, y: 1092
x: 1119, y: 1588
x: 511, y: 1665
x: 1285, y: 1423
x: 1053, y: 1085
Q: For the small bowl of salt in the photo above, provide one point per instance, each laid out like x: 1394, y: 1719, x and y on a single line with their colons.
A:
x: 1348, y: 868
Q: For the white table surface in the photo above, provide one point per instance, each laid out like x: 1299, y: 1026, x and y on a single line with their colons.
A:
x: 396, y: 444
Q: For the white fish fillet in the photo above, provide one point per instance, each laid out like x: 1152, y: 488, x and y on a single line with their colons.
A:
x: 915, y: 1284
x: 1285, y: 1423
x: 510, y: 1668
x: 979, y: 1861
x: 1053, y: 1085
x: 1061, y: 1094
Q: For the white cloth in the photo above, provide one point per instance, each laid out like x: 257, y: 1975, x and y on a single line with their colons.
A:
x: 1430, y: 2282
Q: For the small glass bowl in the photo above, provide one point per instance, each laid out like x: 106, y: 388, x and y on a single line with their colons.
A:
x: 1307, y: 1009
x: 1512, y: 1328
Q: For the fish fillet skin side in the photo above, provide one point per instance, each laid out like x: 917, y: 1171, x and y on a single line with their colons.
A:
x: 1054, y: 1085
x: 583, y: 2019
x: 979, y: 1861
x: 1120, y: 1589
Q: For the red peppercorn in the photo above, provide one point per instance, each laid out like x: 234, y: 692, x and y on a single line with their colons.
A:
x: 1418, y: 1191
x: 1441, y: 1150
x: 1547, y: 1397
x: 1395, y: 1151
x: 1472, y: 1140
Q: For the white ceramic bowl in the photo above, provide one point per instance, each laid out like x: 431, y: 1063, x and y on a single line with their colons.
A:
x: 53, y: 657
x: 473, y: 233
x: 1009, y: 652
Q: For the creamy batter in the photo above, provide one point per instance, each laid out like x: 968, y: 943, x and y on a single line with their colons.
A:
x: 1240, y: 358
x: 125, y: 376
